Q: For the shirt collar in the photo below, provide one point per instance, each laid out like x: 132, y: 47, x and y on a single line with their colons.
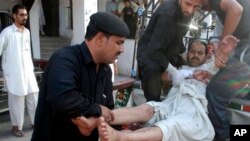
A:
x: 88, y: 59
x: 15, y: 28
x: 86, y: 54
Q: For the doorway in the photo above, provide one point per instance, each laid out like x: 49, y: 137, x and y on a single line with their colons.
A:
x: 51, y: 14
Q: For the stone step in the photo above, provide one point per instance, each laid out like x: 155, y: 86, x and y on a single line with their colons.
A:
x: 3, y: 102
x: 48, y: 50
x: 54, y: 45
x: 54, y: 40
x: 51, y: 44
x: 46, y: 56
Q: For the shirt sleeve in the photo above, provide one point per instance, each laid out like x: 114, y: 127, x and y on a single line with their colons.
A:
x: 109, y: 100
x: 160, y: 41
x: 2, y: 42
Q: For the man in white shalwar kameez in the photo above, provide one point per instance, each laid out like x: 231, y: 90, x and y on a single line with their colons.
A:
x: 182, y: 116
x: 18, y: 70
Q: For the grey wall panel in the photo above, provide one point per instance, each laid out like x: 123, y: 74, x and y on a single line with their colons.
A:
x: 6, y: 5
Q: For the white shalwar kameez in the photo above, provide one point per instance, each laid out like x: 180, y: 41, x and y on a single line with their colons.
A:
x: 182, y: 116
x: 18, y: 71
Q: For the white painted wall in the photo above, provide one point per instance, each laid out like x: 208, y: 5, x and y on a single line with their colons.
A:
x: 102, y: 5
x: 34, y: 29
x: 64, y: 30
x: 90, y: 7
x: 82, y: 10
x: 78, y: 24
x: 125, y: 60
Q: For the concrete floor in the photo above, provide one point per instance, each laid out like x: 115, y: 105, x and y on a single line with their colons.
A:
x: 5, y: 128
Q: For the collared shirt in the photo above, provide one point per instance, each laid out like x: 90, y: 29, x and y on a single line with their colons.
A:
x: 17, y: 62
x: 71, y: 87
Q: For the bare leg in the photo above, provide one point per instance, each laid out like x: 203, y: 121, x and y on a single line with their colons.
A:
x: 141, y: 113
x: 107, y: 133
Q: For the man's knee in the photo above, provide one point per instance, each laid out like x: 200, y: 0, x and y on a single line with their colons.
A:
x: 147, y: 110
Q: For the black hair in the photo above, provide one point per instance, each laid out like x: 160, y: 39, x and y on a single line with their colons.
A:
x: 92, y: 31
x: 17, y: 7
x: 191, y: 41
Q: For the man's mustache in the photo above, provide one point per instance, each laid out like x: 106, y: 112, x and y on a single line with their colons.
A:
x: 118, y: 53
x: 24, y: 22
x: 195, y: 58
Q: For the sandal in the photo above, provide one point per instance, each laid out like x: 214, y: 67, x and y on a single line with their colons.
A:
x: 17, y: 133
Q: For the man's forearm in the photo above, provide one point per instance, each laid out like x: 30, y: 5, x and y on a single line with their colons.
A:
x: 233, y: 12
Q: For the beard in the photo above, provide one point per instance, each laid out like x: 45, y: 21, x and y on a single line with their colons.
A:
x: 193, y: 62
x: 186, y: 17
x: 23, y: 22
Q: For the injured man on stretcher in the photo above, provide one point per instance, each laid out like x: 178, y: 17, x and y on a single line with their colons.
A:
x: 182, y: 116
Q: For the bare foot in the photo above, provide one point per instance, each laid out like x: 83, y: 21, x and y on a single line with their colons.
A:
x: 226, y: 46
x: 106, y: 132
x: 85, y: 125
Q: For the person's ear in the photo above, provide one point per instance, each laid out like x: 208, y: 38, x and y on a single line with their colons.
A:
x: 99, y: 39
x: 14, y: 16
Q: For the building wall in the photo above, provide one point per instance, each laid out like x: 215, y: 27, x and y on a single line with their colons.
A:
x: 78, y: 21
x: 102, y: 5
x: 81, y: 12
x: 34, y: 29
x: 125, y: 60
x: 64, y: 29
x: 6, y: 5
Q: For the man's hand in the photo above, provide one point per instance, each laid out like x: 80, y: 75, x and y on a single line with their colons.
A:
x: 226, y: 46
x: 166, y: 83
x: 85, y: 125
x: 165, y: 77
x: 107, y: 114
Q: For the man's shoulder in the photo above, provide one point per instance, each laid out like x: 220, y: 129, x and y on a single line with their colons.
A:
x: 168, y: 8
x: 26, y: 30
x: 7, y: 29
x: 73, y: 52
x: 215, y: 4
